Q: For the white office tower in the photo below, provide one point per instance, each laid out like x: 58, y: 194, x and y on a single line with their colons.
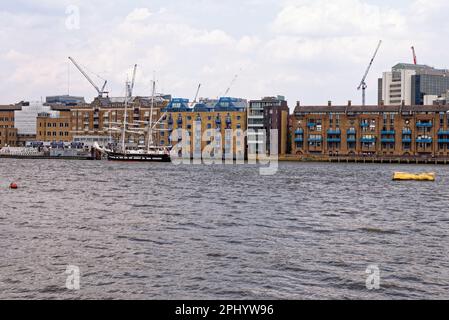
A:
x: 25, y: 119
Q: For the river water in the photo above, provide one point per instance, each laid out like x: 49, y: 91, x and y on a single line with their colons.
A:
x: 160, y: 231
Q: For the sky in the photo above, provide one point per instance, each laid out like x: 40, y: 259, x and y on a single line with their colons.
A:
x: 311, y: 51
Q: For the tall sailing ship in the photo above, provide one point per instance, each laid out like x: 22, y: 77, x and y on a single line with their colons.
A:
x: 149, y: 153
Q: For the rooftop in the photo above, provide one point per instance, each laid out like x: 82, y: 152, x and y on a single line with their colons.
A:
x: 10, y: 107
x: 371, y: 109
x: 224, y: 104
x: 420, y: 69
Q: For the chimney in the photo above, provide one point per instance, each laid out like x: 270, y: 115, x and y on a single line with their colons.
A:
x: 403, y: 103
x: 382, y: 102
x: 349, y: 103
x: 329, y: 103
x: 298, y: 103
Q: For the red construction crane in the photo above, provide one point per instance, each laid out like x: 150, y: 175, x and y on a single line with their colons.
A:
x: 415, y: 61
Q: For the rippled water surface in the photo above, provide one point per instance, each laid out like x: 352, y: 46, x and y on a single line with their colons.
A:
x: 159, y: 231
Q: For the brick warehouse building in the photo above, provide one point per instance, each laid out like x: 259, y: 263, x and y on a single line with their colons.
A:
x: 91, y: 122
x: 8, y: 132
x: 217, y: 115
x: 377, y: 131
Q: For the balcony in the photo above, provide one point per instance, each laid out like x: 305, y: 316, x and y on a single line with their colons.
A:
x: 351, y: 131
x: 406, y: 140
x: 333, y: 140
x: 299, y: 139
x: 368, y: 140
x: 443, y: 141
x: 407, y: 131
x: 443, y: 133
x: 311, y: 124
x: 299, y: 131
x: 424, y: 140
x: 387, y: 140
x: 335, y: 132
x: 317, y: 139
x: 424, y: 124
x: 352, y: 139
x: 387, y: 132
x: 364, y: 124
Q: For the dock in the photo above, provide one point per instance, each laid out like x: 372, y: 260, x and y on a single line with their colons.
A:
x: 366, y: 159
x: 22, y: 157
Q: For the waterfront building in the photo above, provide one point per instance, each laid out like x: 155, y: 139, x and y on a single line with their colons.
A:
x: 25, y: 117
x: 98, y: 118
x: 380, y: 131
x: 212, y: 115
x: 412, y: 83
x: 54, y: 126
x: 8, y: 132
x: 269, y: 113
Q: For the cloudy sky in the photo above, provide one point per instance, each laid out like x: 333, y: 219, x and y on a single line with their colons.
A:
x: 307, y: 50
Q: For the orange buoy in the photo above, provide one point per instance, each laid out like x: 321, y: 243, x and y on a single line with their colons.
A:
x: 13, y: 185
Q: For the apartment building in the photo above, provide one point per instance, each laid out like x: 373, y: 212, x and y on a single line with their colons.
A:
x: 205, y: 122
x: 269, y: 113
x: 381, y: 131
x: 54, y: 126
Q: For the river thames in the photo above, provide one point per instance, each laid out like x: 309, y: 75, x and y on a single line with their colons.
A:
x: 160, y: 231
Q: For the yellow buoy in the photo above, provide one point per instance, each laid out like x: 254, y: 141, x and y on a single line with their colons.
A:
x: 414, y: 176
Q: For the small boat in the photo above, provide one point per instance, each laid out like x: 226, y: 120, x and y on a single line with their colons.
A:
x: 414, y: 176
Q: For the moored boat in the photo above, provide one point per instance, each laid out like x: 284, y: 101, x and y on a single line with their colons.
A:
x: 155, y: 154
x: 150, y: 153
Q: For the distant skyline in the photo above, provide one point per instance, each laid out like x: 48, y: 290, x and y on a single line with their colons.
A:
x: 311, y: 51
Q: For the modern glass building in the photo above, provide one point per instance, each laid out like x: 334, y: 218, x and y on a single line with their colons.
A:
x: 426, y: 84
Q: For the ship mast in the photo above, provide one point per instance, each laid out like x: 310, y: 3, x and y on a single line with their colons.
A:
x: 125, y: 119
x: 150, y: 123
